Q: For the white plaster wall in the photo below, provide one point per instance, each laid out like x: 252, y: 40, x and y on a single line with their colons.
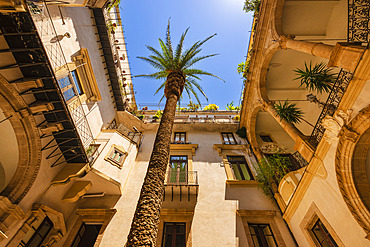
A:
x: 106, y: 167
x: 79, y: 24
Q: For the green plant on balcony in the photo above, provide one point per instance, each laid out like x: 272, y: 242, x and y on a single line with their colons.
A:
x: 290, y: 113
x: 111, y: 27
x: 211, y: 107
x: 270, y: 171
x: 112, y: 4
x: 243, y: 68
x: 252, y: 6
x: 316, y: 77
x: 231, y: 107
x: 158, y: 114
x: 193, y: 106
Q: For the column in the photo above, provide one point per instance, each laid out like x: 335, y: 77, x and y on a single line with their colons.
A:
x: 300, y: 144
x: 344, y: 55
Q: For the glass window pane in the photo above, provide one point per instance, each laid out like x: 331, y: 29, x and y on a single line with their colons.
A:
x: 320, y: 236
x: 180, y: 240
x: 236, y: 171
x: 76, y: 81
x: 35, y: 242
x: 69, y: 94
x: 168, y: 241
x: 245, y: 172
x: 63, y: 82
x: 180, y: 228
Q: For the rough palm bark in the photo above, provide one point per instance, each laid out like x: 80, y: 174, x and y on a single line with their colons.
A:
x: 144, y: 226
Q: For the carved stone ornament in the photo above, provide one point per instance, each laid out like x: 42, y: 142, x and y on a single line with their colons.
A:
x: 272, y: 148
x: 333, y: 125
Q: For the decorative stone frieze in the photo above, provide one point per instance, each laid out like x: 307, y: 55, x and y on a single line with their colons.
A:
x: 350, y: 166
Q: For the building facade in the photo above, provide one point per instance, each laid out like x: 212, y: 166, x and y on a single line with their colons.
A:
x: 324, y: 200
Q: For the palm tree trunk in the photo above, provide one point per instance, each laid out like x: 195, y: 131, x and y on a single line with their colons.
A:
x: 144, y: 225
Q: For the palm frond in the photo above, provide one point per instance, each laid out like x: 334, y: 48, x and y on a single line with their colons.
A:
x: 166, y: 60
x: 288, y: 112
x: 316, y: 77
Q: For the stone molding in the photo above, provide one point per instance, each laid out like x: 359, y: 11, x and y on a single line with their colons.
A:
x: 308, y: 221
x: 260, y: 217
x: 349, y: 175
x: 9, y: 214
x: 92, y: 215
x: 28, y: 139
x: 38, y: 213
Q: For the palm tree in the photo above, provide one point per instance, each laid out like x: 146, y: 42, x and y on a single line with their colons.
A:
x: 289, y: 112
x: 175, y: 66
x: 317, y: 77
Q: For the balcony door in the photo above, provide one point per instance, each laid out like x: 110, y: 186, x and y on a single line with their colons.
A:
x: 178, y: 169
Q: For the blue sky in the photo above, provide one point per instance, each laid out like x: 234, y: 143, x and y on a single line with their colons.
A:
x: 144, y: 21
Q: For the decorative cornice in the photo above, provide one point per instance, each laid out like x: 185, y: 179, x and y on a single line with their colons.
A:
x: 184, y: 147
x: 221, y: 147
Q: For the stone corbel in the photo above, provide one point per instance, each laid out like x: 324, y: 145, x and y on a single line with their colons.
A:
x: 346, y: 56
x: 333, y: 125
x: 77, y: 190
x: 50, y: 128
x: 283, y: 40
x: 41, y: 107
x: 26, y: 85
x: 9, y: 214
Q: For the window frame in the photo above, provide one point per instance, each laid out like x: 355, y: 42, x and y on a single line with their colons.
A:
x: 46, y: 219
x: 324, y: 231
x: 116, y: 149
x: 74, y: 85
x: 175, y: 233
x: 171, y: 175
x: 261, y: 237
x: 240, y: 170
x: 231, y: 141
x: 262, y: 136
x: 78, y: 235
x: 180, y: 141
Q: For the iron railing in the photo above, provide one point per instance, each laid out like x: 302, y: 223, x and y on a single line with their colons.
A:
x: 358, y: 21
x: 196, y: 119
x: 134, y: 136
x: 181, y: 178
x: 335, y: 96
x: 298, y: 160
x: 51, y: 41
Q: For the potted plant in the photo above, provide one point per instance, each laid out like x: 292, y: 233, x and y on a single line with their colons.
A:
x: 211, y: 107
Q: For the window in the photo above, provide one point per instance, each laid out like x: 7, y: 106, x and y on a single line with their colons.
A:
x: 66, y: 85
x: 86, y: 236
x: 179, y: 138
x: 174, y: 234
x: 116, y: 156
x: 39, y: 234
x: 322, y: 235
x: 228, y: 138
x: 266, y: 138
x: 262, y: 235
x: 240, y: 168
x: 178, y: 169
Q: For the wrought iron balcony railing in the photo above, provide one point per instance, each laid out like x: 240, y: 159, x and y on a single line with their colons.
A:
x: 358, y: 21
x: 335, y: 96
x: 134, y: 136
x: 181, y: 178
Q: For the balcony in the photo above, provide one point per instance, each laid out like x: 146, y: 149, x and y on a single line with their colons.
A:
x: 181, y: 186
x: 331, y: 105
x: 187, y: 178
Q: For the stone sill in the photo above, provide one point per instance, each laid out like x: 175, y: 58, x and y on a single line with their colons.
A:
x: 246, y: 183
